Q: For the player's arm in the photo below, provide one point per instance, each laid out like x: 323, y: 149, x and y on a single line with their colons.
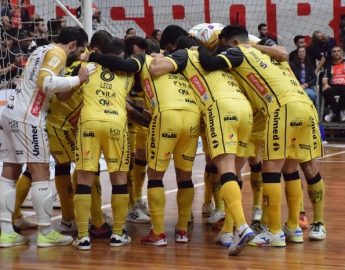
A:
x: 230, y: 58
x: 175, y: 62
x: 62, y: 96
x: 49, y: 79
x: 273, y: 50
x: 116, y: 63
x: 138, y: 114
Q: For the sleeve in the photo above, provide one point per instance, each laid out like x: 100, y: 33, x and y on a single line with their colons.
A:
x: 179, y: 59
x: 54, y: 62
x: 116, y: 63
x: 231, y: 58
x: 210, y: 62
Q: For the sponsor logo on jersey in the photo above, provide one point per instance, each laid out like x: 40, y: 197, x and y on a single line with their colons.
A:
x: 34, y: 142
x: 257, y: 84
x: 242, y: 144
x: 69, y: 140
x: 148, y: 89
x: 198, y: 85
x: 275, y: 131
x: 105, y: 93
x: 304, y: 146
x: 183, y: 91
x: 113, y: 112
x: 34, y: 70
x: 54, y: 62
x: 108, y: 86
x: 153, y: 128
x: 231, y: 118
x: 88, y: 134
x: 104, y: 102
x: 211, y: 123
x: 296, y: 123
x: 112, y: 160
x: 38, y: 103
x: 188, y: 100
x: 169, y: 135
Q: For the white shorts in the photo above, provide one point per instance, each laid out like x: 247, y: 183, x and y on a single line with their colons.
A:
x: 21, y: 142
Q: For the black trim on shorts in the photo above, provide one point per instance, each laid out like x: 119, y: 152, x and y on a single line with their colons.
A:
x: 140, y: 162
x: 62, y: 169
x: 27, y: 173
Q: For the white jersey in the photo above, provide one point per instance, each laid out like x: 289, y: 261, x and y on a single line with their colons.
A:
x: 29, y: 103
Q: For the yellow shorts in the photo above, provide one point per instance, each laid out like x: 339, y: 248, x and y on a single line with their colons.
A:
x: 257, y: 138
x: 173, y: 133
x: 292, y: 132
x: 228, y: 126
x: 62, y: 143
x: 95, y: 137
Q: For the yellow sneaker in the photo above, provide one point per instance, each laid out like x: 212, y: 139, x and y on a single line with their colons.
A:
x: 12, y: 239
x: 53, y: 238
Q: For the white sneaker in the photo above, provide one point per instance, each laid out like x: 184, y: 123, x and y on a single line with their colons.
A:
x: 224, y: 239
x: 257, y: 213
x: 294, y: 236
x: 242, y: 236
x: 25, y: 224
x: 329, y: 117
x: 317, y: 231
x: 342, y: 115
x: 135, y: 215
x: 82, y: 243
x: 181, y: 236
x: 120, y: 240
x: 216, y: 216
x: 207, y: 209
x: 142, y: 205
x: 268, y: 239
x: 67, y: 226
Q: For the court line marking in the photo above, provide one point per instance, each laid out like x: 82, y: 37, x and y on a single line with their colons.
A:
x: 201, y: 184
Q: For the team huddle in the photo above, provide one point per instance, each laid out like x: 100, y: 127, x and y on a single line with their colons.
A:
x: 140, y: 111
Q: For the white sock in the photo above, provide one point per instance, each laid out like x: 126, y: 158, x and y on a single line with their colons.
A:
x: 42, y: 201
x: 7, y: 203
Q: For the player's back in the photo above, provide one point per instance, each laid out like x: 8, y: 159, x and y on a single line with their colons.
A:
x: 268, y: 84
x: 167, y: 92
x: 105, y: 96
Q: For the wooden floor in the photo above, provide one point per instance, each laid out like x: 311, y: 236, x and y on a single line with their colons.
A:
x: 201, y: 252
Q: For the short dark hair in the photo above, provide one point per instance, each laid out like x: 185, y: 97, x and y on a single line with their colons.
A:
x: 261, y: 25
x: 171, y: 34
x: 297, y: 38
x: 231, y: 31
x: 131, y: 41
x: 185, y: 42
x: 155, y: 32
x: 129, y: 30
x: 114, y: 46
x: 100, y: 39
x: 69, y: 34
x: 152, y: 46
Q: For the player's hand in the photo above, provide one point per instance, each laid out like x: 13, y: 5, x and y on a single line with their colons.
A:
x: 85, y: 72
x: 84, y: 57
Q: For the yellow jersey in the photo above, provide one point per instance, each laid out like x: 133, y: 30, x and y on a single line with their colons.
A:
x: 104, y: 96
x: 208, y: 86
x: 65, y: 114
x: 167, y: 92
x: 268, y: 84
